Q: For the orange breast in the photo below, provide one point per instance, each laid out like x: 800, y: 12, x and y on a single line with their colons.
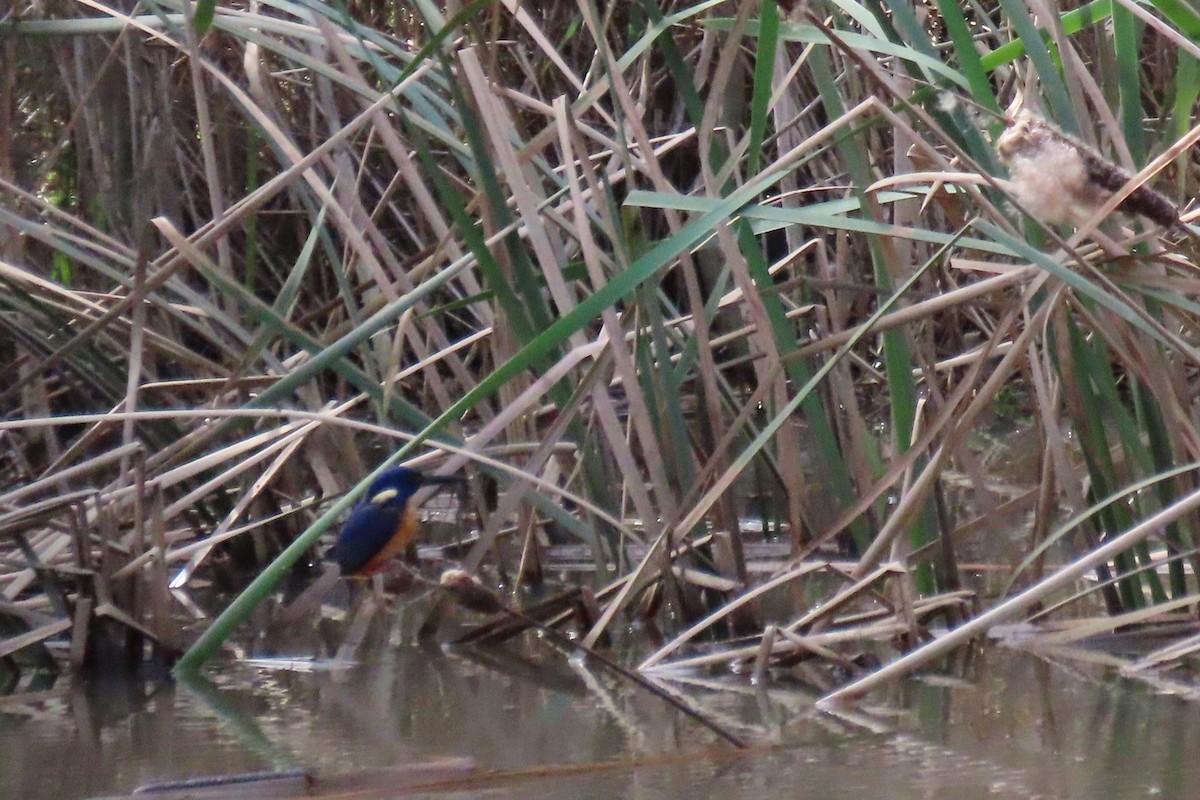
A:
x: 405, y: 530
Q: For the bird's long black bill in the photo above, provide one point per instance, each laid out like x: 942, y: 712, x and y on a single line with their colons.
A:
x: 443, y: 480
x: 440, y: 482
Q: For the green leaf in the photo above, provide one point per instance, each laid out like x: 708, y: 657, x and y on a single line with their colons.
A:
x: 1072, y: 22
x: 764, y: 69
x: 969, y: 60
x: 810, y: 34
x: 202, y: 16
x: 60, y: 268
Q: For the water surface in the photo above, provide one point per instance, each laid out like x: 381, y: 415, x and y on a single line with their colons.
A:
x: 1010, y: 725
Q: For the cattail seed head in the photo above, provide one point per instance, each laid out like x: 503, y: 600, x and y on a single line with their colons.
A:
x: 469, y: 592
x: 1058, y: 179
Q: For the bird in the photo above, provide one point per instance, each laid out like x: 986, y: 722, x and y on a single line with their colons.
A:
x: 383, y: 522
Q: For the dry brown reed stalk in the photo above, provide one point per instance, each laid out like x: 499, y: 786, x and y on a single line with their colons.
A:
x: 1015, y: 605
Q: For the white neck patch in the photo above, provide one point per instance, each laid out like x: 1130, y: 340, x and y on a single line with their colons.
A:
x: 383, y: 497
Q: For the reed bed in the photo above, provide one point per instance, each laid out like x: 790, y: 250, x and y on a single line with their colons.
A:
x: 643, y: 273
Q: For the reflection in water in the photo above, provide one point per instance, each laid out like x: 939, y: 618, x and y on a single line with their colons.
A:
x: 1021, y: 728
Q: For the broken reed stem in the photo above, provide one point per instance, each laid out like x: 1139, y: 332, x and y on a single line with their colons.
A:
x: 645, y: 683
x: 1010, y: 608
x: 470, y: 593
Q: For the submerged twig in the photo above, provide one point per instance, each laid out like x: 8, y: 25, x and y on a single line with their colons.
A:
x: 470, y: 593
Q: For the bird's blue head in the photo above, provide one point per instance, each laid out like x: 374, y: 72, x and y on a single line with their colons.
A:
x: 394, y: 487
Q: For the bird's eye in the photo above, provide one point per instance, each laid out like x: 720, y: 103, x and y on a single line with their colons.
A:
x: 383, y: 497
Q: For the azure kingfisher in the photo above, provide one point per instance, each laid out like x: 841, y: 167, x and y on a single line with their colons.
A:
x: 383, y: 522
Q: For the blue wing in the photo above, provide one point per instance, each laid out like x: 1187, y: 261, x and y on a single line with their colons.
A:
x: 365, y: 533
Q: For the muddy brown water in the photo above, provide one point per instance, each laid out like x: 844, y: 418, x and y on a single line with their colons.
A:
x: 1010, y: 725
